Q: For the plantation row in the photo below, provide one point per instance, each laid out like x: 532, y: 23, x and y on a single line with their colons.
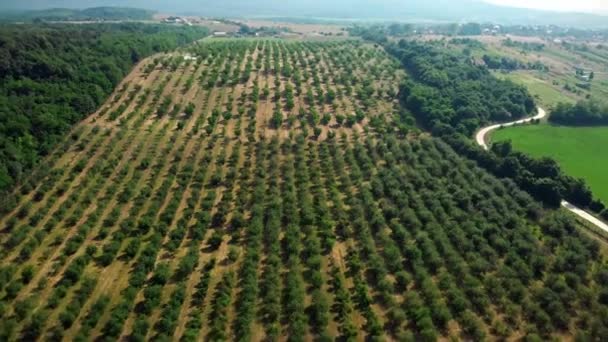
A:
x: 122, y: 191
x: 184, y: 210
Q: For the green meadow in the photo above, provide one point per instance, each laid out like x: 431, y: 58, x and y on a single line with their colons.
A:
x: 580, y: 151
x: 547, y: 94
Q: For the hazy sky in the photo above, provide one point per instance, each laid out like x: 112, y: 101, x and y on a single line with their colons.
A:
x: 589, y: 6
x: 592, y: 6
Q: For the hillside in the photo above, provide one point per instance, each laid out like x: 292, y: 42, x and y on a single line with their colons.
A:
x: 53, y: 76
x: 88, y: 14
x: 410, y: 10
x: 269, y: 189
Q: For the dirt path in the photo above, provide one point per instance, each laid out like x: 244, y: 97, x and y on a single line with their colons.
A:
x: 480, y: 137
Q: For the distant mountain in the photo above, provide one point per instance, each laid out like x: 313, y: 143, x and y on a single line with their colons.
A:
x: 406, y: 10
x: 70, y: 14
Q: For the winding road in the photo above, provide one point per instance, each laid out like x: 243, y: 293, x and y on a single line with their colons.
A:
x: 480, y: 137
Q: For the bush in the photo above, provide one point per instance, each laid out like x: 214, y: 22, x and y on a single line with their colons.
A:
x: 215, y: 240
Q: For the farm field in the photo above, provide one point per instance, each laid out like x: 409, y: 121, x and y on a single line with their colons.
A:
x: 578, y: 150
x: 542, y: 89
x: 559, y: 82
x: 303, y: 30
x: 267, y: 190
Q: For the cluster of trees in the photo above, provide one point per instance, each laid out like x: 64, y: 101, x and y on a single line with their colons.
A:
x: 323, y: 76
x: 447, y: 92
x: 453, y: 98
x: 52, y: 76
x: 465, y: 287
x: 510, y: 64
x: 107, y: 166
x: 378, y: 33
x: 404, y: 233
x: 541, y: 177
x: 526, y: 46
x: 583, y: 113
x: 470, y: 43
x: 469, y: 29
x: 102, y: 181
x: 115, y: 240
x: 549, y: 32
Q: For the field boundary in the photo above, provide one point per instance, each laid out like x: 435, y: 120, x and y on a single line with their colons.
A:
x: 480, y: 138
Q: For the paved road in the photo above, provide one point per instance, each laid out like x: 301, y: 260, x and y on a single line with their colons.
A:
x: 585, y: 216
x: 480, y: 137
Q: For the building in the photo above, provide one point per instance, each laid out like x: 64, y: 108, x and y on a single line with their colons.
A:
x: 177, y: 20
x: 583, y: 73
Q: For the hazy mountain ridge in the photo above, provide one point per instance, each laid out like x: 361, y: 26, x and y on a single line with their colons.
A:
x: 98, y: 13
x: 410, y: 10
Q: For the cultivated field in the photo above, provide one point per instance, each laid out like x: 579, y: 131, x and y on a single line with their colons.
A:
x: 539, y: 86
x: 578, y: 150
x: 263, y: 190
x: 559, y: 82
x: 303, y: 30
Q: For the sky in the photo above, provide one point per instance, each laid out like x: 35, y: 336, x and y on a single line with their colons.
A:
x: 589, y: 6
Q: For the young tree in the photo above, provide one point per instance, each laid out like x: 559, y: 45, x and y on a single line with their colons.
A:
x: 340, y: 119
x: 277, y: 119
x: 326, y: 119
x: 189, y: 110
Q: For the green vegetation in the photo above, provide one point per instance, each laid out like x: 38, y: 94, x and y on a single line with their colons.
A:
x: 546, y: 94
x: 578, y: 150
x: 584, y: 113
x: 449, y: 94
x: 553, y: 71
x: 190, y: 224
x: 88, y: 14
x: 525, y: 46
x: 53, y: 76
x: 510, y: 64
x: 453, y: 96
x: 558, y: 90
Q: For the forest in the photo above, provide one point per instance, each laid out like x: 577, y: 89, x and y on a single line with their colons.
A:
x: 52, y: 76
x: 541, y: 177
x: 447, y: 92
x: 260, y: 191
x: 583, y: 113
x: 453, y: 97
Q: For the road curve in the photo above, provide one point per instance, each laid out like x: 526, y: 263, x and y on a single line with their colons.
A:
x: 480, y: 137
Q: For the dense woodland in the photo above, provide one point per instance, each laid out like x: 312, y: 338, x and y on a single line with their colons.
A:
x: 52, y: 76
x: 454, y: 97
x: 447, y: 92
x: 541, y: 177
x: 583, y: 113
x: 199, y: 204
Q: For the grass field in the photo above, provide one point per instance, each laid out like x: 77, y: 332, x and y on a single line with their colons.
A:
x: 549, y: 87
x: 580, y: 151
x: 546, y: 93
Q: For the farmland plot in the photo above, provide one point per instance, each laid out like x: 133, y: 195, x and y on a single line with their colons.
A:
x: 266, y: 190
